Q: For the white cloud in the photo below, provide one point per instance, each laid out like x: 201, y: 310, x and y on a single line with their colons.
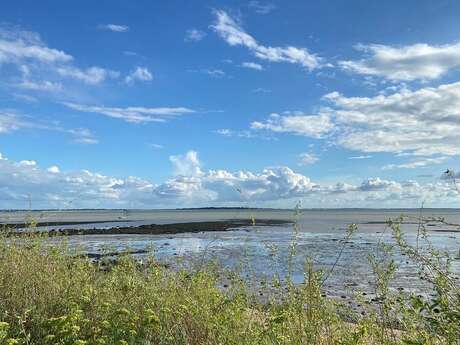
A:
x: 261, y: 8
x: 261, y: 90
x: 17, y: 46
x: 416, y: 163
x: 316, y: 126
x: 194, y: 35
x: 418, y: 61
x: 133, y: 114
x: 234, y: 35
x: 186, y: 165
x: 83, y: 136
x: 140, y: 73
x: 54, y: 169
x: 114, y: 27
x: 40, y: 68
x: 423, y: 122
x: 252, y: 65
x: 157, y: 146
x: 194, y: 187
x: 225, y: 132
x: 43, y: 85
x: 26, y: 98
x: 215, y: 73
x: 307, y: 158
x: 360, y: 157
x: 11, y: 121
x: 92, y: 75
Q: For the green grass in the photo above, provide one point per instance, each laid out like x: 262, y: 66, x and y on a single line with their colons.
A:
x: 50, y: 295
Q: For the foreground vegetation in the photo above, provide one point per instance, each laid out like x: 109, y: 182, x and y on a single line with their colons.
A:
x: 51, y: 295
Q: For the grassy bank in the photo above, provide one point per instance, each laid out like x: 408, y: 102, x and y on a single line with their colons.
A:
x: 51, y: 295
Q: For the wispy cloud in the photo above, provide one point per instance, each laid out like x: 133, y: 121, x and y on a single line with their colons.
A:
x: 18, y: 46
x: 316, y: 126
x: 215, y: 73
x: 307, y: 158
x: 114, y: 27
x: 92, y: 75
x: 133, y: 114
x: 252, y: 65
x: 261, y: 90
x: 234, y: 35
x: 416, y: 163
x: 194, y: 35
x: 156, y: 146
x: 260, y: 7
x: 41, y: 68
x: 11, y: 121
x: 43, y: 85
x: 360, y: 157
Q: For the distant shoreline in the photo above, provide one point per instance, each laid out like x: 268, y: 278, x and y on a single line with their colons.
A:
x: 233, y: 208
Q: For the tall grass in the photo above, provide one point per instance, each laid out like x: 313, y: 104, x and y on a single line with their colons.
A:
x: 54, y: 295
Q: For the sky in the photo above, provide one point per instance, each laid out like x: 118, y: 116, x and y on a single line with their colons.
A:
x: 164, y: 104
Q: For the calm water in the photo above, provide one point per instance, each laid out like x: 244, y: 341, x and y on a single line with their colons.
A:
x: 264, y: 251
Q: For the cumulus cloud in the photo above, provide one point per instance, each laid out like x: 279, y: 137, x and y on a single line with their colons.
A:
x: 53, y: 188
x: 229, y: 30
x: 252, y: 65
x: 114, y: 27
x: 54, y: 169
x: 133, y: 114
x: 186, y: 165
x: 423, y: 122
x: 418, y: 61
x: 192, y: 186
x: 139, y: 74
x: 194, y: 35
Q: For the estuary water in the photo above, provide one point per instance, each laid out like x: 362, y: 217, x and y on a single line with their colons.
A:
x: 264, y: 252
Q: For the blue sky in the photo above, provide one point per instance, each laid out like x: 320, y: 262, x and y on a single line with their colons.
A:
x: 261, y: 103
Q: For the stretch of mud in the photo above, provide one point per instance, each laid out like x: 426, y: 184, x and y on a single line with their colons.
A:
x: 159, y: 229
